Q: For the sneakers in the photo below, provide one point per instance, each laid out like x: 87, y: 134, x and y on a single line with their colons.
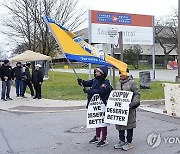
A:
x: 9, y: 98
x: 127, y: 146
x: 3, y: 99
x: 119, y: 145
x: 94, y: 140
x: 102, y: 143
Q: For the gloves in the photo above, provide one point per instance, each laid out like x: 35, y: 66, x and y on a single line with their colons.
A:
x: 85, y: 90
x: 132, y: 106
x: 80, y: 81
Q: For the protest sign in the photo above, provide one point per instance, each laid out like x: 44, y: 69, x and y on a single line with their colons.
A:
x: 96, y: 112
x: 117, y: 109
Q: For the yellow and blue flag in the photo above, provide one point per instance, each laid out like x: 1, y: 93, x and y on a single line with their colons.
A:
x: 75, y: 48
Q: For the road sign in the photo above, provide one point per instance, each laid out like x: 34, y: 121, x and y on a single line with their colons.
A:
x: 112, y: 36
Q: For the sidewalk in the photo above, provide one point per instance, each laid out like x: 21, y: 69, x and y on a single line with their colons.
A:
x: 19, y: 104
x: 29, y: 104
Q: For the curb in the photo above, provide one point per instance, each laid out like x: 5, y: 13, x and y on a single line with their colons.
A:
x: 153, y: 102
x: 34, y: 109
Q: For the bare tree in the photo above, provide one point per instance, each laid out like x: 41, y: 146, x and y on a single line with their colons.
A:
x: 166, y: 35
x: 28, y: 28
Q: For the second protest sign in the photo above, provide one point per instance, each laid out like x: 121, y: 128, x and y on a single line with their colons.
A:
x: 117, y: 109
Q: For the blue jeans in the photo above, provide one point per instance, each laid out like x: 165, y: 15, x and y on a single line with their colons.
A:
x: 19, y: 87
x: 6, y: 87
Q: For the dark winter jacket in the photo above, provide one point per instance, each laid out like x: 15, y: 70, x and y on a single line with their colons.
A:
x: 26, y: 74
x: 129, y: 85
x: 17, y: 72
x: 6, y: 71
x: 98, y: 85
x: 37, y: 76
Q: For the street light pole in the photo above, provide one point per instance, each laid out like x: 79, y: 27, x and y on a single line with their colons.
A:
x: 178, y: 77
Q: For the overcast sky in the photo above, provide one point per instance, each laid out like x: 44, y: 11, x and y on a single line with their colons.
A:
x: 149, y: 7
x: 158, y: 8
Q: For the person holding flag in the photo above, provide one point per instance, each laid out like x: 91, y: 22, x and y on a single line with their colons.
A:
x: 99, y: 85
x: 75, y: 48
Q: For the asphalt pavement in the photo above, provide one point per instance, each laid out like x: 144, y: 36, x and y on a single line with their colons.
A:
x: 44, y: 126
x: 65, y: 132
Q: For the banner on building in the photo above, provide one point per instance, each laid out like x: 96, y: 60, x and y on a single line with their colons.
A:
x: 136, y: 28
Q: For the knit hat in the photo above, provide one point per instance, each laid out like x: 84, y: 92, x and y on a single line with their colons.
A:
x: 18, y: 62
x: 103, y: 70
x: 98, y: 69
x: 6, y: 61
x: 127, y: 72
x: 28, y: 63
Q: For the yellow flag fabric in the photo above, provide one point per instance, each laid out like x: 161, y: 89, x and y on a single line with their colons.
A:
x: 75, y: 48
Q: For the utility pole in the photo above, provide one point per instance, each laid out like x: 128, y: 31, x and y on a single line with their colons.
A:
x: 120, y: 41
x: 153, y: 51
x: 113, y: 69
x: 178, y: 77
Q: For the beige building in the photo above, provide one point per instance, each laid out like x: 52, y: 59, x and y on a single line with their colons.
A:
x: 147, y: 49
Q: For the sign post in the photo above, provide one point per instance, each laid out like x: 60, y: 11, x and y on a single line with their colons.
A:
x: 112, y: 37
x: 120, y: 42
x: 178, y: 75
x: 153, y: 52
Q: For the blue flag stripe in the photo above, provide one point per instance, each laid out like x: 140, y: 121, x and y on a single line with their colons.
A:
x: 87, y: 59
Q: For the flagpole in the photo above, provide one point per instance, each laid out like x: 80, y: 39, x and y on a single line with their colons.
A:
x: 72, y: 67
x: 178, y: 51
x: 89, y: 39
x: 154, y: 50
x: 113, y: 69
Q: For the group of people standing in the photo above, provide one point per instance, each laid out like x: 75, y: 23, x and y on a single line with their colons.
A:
x: 22, y: 77
x: 100, y: 85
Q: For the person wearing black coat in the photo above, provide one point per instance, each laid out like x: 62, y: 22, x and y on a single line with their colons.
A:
x: 17, y: 72
x: 37, y: 80
x: 99, y: 85
x: 6, y: 75
x: 27, y: 79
